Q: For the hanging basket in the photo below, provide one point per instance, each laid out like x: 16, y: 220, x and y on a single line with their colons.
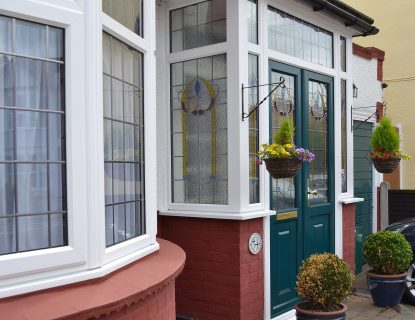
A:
x: 386, y: 166
x: 282, y: 168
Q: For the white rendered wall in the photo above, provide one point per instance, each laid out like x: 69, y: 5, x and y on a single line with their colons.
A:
x: 369, y: 88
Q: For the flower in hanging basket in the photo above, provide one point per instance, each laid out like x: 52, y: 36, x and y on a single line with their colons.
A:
x: 385, y: 153
x: 283, y: 159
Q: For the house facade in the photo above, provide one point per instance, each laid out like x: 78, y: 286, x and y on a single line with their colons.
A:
x: 124, y: 120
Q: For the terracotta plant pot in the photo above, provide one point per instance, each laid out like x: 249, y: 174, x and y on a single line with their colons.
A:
x: 282, y: 168
x: 386, y: 290
x: 386, y: 166
x: 304, y: 314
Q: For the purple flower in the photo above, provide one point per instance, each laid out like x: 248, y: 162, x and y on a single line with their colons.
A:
x: 258, y: 162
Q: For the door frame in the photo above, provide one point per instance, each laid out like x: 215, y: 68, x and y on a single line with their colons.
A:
x: 301, y: 78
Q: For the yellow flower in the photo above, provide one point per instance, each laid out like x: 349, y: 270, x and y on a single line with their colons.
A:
x: 288, y: 146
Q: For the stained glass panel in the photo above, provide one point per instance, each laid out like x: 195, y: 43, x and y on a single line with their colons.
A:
x: 318, y: 133
x: 253, y: 129
x: 199, y: 131
x: 283, y: 105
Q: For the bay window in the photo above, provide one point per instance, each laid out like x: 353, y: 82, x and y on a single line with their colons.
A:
x: 73, y: 200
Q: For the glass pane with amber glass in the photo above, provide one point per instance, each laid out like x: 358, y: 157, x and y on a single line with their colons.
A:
x: 318, y: 135
x: 199, y: 151
x: 283, y: 106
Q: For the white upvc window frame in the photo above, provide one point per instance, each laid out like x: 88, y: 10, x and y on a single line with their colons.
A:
x: 86, y: 256
x: 166, y: 204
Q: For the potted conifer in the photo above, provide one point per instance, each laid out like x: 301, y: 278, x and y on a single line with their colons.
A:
x: 282, y: 158
x: 385, y: 154
x: 324, y: 282
x: 390, y: 255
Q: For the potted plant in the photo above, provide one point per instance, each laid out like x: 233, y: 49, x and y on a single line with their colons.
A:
x: 325, y: 282
x: 385, y: 153
x: 282, y: 158
x: 389, y: 254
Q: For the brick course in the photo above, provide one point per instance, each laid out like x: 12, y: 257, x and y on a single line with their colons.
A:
x: 221, y: 278
x: 349, y: 234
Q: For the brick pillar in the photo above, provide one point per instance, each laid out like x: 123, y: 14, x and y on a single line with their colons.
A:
x: 349, y: 223
x: 221, y: 280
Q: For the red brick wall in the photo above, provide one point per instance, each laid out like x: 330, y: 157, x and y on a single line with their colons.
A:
x: 221, y: 280
x: 349, y: 234
x: 160, y: 306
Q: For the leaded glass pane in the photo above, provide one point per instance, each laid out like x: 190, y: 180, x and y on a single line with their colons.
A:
x: 253, y: 129
x: 343, y: 91
x: 252, y: 12
x: 343, y: 54
x: 282, y: 106
x: 318, y: 133
x: 123, y: 141
x: 298, y: 38
x: 127, y: 12
x: 32, y: 137
x: 199, y: 131
x: 198, y: 25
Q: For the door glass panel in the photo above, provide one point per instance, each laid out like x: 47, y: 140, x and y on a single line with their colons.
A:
x: 318, y: 143
x: 283, y: 105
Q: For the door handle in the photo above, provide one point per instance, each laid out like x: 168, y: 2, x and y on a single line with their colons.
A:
x: 313, y: 192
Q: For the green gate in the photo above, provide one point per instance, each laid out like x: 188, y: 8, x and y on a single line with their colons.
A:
x: 363, y: 187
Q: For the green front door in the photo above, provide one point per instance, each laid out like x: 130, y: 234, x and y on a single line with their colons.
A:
x: 304, y: 221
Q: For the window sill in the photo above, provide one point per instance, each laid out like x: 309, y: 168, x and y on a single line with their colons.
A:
x: 351, y: 200
x: 99, y: 297
x: 217, y: 215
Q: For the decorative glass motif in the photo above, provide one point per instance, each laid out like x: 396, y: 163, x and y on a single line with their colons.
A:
x: 283, y: 102
x: 252, y: 10
x: 127, y: 12
x: 198, y: 25
x: 199, y: 131
x: 295, y: 37
x: 123, y: 142
x: 318, y: 104
x: 283, y: 105
x: 253, y: 129
x: 343, y: 91
x: 318, y: 135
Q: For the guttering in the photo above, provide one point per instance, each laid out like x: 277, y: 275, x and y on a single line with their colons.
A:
x: 353, y: 18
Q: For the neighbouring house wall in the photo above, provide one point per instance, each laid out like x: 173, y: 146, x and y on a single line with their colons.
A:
x: 398, y: 40
x: 367, y: 74
x: 221, y: 280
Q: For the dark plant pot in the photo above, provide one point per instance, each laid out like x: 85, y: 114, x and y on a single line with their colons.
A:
x: 386, y: 290
x: 386, y: 166
x: 282, y: 168
x: 304, y: 314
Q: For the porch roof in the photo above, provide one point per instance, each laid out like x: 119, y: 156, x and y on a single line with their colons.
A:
x: 351, y: 17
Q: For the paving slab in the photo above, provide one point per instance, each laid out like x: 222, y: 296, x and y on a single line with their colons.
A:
x: 361, y: 307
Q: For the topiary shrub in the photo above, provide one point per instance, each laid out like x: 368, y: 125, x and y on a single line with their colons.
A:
x: 285, y: 134
x: 388, y: 252
x: 325, y: 281
x: 385, y: 137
